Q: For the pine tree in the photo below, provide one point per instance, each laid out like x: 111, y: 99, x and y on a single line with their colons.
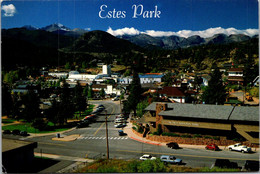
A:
x: 79, y: 99
x: 135, y: 93
x: 215, y: 92
x: 31, y: 102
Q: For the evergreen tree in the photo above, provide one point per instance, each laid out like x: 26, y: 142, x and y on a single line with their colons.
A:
x: 66, y: 107
x: 102, y: 93
x: 90, y: 92
x: 52, y: 112
x: 135, y: 93
x: 31, y: 102
x: 79, y: 99
x: 7, y: 102
x: 215, y: 92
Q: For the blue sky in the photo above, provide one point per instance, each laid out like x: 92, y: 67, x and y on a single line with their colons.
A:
x: 175, y: 15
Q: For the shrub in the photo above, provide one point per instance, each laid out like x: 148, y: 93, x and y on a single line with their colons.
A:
x: 140, y: 129
x: 170, y: 134
x: 197, y: 136
x: 156, y: 133
x: 159, y: 129
x: 151, y: 166
x: 208, y: 137
x: 216, y: 138
x: 134, y: 128
x: 186, y: 136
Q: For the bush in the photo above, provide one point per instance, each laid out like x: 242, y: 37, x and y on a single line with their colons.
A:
x: 134, y: 128
x: 170, y: 134
x: 216, y: 138
x: 208, y: 137
x: 151, y: 166
x: 140, y: 129
x: 156, y: 133
x: 186, y: 136
x: 159, y: 129
x: 197, y: 136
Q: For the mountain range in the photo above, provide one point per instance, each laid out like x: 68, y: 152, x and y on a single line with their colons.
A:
x: 59, y: 29
x: 147, y: 41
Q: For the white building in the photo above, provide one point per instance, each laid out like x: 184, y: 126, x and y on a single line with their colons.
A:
x: 58, y: 74
x: 106, y: 69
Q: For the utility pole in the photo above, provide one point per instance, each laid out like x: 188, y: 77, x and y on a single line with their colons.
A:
x: 107, y: 137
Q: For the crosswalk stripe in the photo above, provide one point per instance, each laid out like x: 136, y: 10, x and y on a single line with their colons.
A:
x: 102, y: 138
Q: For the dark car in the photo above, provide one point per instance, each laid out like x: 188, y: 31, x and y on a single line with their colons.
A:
x: 251, y: 165
x: 24, y: 133
x: 173, y: 145
x: 82, y: 124
x: 121, y: 133
x: 16, y: 132
x: 212, y: 147
x: 101, y: 106
x: 7, y: 132
x: 225, y: 163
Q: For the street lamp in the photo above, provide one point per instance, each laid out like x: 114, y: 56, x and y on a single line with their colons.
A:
x: 107, y: 136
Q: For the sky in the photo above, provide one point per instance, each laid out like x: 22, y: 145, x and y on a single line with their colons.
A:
x: 154, y: 17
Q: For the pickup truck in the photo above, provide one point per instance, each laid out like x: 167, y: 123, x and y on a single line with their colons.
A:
x: 239, y: 147
x: 170, y: 159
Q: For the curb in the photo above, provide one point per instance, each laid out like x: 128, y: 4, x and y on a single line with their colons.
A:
x: 157, y: 144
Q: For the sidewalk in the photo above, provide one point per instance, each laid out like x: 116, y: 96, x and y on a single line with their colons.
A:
x: 129, y: 132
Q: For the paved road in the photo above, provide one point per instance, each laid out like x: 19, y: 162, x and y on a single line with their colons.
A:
x: 92, y: 143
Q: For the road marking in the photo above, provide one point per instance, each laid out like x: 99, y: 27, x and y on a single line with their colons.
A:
x: 104, y: 122
x: 196, y: 156
x: 103, y: 138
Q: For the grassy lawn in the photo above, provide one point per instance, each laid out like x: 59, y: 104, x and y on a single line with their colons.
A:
x: 85, y: 113
x: 7, y: 121
x: 27, y: 127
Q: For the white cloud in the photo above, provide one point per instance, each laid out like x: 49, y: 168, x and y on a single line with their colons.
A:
x: 9, y: 10
x: 123, y: 31
x: 87, y: 29
x: 184, y: 33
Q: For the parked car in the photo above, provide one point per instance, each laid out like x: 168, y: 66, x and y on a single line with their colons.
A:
x: 7, y: 132
x: 121, y: 133
x: 170, y: 159
x: 115, y: 99
x: 147, y: 157
x: 119, y: 120
x: 224, y: 163
x: 100, y: 109
x: 173, y: 145
x: 239, y: 147
x: 120, y: 125
x: 24, y: 133
x: 82, y: 124
x: 251, y: 165
x: 212, y: 147
x: 16, y: 132
x: 101, y: 106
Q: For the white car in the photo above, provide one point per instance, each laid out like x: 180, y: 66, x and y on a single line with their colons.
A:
x: 147, y: 157
x: 239, y: 147
x: 119, y: 120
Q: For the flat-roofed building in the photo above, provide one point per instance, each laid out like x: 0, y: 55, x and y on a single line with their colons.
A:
x: 218, y: 120
x: 17, y: 154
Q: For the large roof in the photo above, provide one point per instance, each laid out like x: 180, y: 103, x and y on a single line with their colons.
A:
x: 172, y: 91
x: 203, y: 111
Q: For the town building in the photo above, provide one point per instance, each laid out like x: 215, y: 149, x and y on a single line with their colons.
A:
x: 217, y: 120
x: 174, y: 94
x: 17, y: 155
x: 235, y: 75
x: 146, y: 78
